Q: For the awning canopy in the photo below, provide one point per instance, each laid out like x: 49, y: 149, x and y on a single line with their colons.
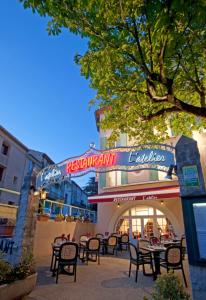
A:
x: 140, y: 194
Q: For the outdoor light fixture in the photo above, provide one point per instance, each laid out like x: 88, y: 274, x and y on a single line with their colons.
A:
x: 118, y: 205
x: 43, y: 194
x: 172, y: 170
x: 162, y: 202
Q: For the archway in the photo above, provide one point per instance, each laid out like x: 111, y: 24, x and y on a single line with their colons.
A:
x: 155, y: 207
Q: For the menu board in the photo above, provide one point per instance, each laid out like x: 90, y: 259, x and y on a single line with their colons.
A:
x: 190, y: 176
x: 200, y: 222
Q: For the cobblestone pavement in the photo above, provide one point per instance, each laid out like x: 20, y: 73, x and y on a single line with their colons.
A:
x: 109, y: 280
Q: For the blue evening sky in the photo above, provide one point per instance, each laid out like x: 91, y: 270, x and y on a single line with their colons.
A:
x: 43, y: 97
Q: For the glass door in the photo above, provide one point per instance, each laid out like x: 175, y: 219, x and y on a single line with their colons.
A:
x: 136, y: 228
x: 148, y: 227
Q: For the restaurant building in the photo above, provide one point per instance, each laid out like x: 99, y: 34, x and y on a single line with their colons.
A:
x: 144, y: 202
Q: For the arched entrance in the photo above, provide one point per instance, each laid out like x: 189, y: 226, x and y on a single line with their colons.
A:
x: 144, y: 221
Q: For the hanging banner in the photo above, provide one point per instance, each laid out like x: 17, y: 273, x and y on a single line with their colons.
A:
x: 155, y: 157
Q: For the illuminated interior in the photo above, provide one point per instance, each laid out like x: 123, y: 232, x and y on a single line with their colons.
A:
x: 144, y: 222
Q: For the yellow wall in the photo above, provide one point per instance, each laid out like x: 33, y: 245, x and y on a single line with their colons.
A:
x: 108, y: 213
x: 47, y: 231
x: 8, y: 211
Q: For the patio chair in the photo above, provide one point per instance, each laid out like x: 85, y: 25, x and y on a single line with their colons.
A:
x: 68, y: 254
x: 82, y: 243
x: 124, y: 241
x: 141, y: 244
x: 173, y: 260
x: 92, y: 248
x: 137, y: 259
x: 55, y: 250
x: 183, y: 246
x: 102, y: 241
x: 99, y: 235
x: 111, y: 244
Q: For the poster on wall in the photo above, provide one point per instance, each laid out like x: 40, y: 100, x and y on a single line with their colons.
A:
x: 200, y: 222
x: 190, y: 176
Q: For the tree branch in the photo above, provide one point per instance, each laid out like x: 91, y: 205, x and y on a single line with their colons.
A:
x: 161, y: 60
x: 190, y: 78
x: 160, y: 113
x: 151, y: 49
x: 136, y: 36
x: 191, y: 109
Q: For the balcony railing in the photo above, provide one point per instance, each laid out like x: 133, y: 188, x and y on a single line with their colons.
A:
x: 54, y: 208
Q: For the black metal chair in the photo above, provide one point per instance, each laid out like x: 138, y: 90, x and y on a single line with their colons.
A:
x: 183, y: 246
x: 92, y: 248
x: 173, y: 260
x: 137, y: 259
x: 99, y: 235
x: 111, y: 244
x: 82, y: 244
x: 142, y: 243
x: 124, y: 241
x: 68, y: 254
x: 102, y: 241
x: 55, y: 250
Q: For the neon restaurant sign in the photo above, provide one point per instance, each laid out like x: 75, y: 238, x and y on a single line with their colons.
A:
x: 154, y: 157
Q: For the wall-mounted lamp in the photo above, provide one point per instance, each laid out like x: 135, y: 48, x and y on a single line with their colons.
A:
x: 118, y: 205
x: 162, y: 202
x: 43, y: 194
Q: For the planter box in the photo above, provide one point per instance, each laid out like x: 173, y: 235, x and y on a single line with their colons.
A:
x: 43, y: 218
x: 6, y: 230
x: 18, y: 289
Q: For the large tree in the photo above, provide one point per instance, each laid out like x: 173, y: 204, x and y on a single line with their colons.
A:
x: 145, y: 59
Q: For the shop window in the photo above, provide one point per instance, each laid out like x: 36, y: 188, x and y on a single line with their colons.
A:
x: 5, y: 148
x: 158, y: 212
x: 1, y: 172
x: 142, y: 211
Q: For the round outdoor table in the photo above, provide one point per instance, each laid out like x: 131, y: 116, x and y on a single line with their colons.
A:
x: 155, y: 250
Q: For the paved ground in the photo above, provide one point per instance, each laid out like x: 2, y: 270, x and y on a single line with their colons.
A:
x: 109, y: 280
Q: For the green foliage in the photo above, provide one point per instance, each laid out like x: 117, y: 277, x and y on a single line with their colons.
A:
x: 5, y: 271
x: 145, y: 59
x: 22, y: 270
x: 25, y: 268
x: 169, y: 287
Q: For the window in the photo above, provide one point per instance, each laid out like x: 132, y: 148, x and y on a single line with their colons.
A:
x: 4, y: 148
x: 1, y: 172
x: 15, y: 178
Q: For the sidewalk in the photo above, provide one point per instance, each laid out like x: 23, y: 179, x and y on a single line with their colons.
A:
x: 109, y: 280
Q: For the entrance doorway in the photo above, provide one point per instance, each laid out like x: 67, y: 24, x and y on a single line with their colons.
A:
x: 145, y: 222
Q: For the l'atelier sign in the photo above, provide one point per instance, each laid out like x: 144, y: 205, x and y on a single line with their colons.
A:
x: 122, y: 158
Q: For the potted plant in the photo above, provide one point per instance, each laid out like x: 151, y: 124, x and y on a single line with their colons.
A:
x: 18, y: 281
x: 7, y: 226
x: 69, y: 218
x: 43, y: 217
x: 168, y: 286
x: 59, y: 218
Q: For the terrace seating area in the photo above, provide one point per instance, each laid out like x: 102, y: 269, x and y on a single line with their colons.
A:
x: 68, y: 257
x: 106, y: 276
